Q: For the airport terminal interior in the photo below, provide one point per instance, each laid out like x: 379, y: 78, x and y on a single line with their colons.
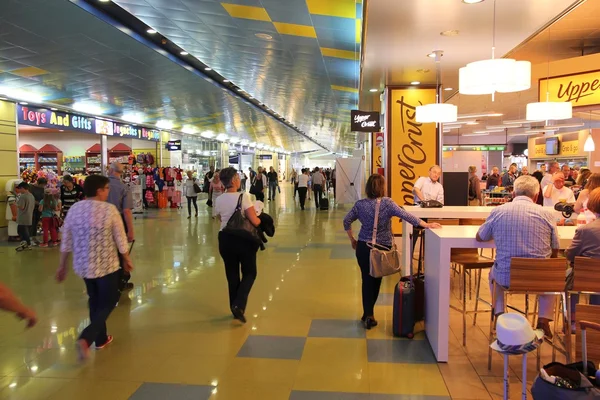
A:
x: 466, y: 99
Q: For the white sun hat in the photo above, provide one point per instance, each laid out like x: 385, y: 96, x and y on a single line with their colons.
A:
x: 515, y: 335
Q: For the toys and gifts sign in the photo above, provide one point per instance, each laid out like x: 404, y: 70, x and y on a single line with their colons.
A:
x: 364, y: 121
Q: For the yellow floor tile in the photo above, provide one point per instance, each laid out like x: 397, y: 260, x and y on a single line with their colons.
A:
x: 31, y: 388
x: 413, y: 379
x: 248, y: 371
x: 96, y: 390
x: 333, y: 377
x: 255, y: 391
x: 279, y: 326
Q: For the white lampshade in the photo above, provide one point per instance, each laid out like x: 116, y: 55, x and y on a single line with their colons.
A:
x: 589, y: 143
x: 503, y: 75
x: 439, y: 113
x: 547, y: 110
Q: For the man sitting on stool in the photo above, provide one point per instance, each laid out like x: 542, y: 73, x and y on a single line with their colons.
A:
x: 521, y: 229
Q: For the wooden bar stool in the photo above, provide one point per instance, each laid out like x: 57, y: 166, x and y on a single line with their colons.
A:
x: 586, y: 280
x: 469, y: 260
x: 588, y: 316
x: 532, y: 276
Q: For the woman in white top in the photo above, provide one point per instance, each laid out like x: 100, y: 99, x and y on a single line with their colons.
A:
x: 236, y: 253
x: 190, y: 194
x: 303, y: 187
x: 216, y: 189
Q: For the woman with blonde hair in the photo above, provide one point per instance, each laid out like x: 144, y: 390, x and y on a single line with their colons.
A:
x: 593, y: 182
x: 364, y: 210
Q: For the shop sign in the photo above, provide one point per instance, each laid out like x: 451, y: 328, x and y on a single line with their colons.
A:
x: 54, y: 119
x: 412, y: 146
x: 364, y: 121
x: 570, y: 148
x: 580, y: 89
x: 265, y: 156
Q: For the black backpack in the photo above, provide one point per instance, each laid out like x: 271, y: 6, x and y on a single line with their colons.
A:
x: 257, y: 186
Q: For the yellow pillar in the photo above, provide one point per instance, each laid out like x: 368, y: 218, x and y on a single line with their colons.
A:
x: 8, y: 155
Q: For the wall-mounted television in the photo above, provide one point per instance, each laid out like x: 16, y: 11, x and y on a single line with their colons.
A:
x: 552, y: 146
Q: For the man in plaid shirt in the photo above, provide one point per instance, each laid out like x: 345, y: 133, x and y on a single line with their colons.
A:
x: 521, y: 229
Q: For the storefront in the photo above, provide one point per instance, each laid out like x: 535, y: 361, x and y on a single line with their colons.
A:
x: 566, y: 148
x: 458, y: 158
x: 66, y: 143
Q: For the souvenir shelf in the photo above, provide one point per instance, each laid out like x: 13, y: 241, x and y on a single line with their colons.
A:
x: 27, y: 157
x: 93, y: 159
x: 74, y: 165
x: 50, y: 157
x: 120, y: 153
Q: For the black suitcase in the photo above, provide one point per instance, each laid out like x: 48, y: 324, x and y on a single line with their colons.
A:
x: 403, y: 324
x: 324, y: 203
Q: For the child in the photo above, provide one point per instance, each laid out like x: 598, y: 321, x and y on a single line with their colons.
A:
x: 48, y: 206
x: 25, y: 206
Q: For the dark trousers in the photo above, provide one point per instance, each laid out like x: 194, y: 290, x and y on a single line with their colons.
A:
x: 103, y: 295
x: 260, y: 196
x: 194, y: 200
x: 302, y: 194
x: 124, y: 275
x: 318, y: 189
x: 243, y: 186
x: 37, y: 216
x: 370, y: 285
x: 295, y: 188
x: 333, y: 184
x: 272, y: 190
x: 238, y: 254
x: 24, y: 232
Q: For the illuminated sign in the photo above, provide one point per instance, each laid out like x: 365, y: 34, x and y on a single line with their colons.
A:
x: 474, y: 148
x: 580, y: 89
x: 364, y: 121
x: 45, y: 118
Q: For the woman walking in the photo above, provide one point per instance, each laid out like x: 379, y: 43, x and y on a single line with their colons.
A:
x: 364, y: 210
x: 190, y: 194
x: 216, y: 189
x: 237, y: 253
x: 302, y: 187
x: 258, y: 186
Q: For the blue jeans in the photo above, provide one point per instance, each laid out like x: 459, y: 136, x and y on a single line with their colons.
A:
x: 103, y: 296
x: 272, y: 190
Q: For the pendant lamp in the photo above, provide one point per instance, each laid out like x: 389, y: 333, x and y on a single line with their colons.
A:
x: 439, y: 113
x: 503, y: 75
x: 589, y: 144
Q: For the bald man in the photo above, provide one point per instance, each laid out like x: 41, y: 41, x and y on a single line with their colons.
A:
x: 429, y: 188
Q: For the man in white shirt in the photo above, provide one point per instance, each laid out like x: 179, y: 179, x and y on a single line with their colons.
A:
x: 556, y: 191
x: 429, y: 188
x: 553, y: 167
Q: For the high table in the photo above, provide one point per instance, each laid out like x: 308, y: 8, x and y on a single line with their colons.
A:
x: 438, y: 243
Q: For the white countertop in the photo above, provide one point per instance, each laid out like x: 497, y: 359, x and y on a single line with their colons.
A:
x: 454, y: 211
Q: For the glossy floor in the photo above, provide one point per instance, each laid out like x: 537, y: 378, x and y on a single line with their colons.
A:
x: 175, y: 338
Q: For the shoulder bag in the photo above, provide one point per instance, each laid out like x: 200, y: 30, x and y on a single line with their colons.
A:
x: 240, y: 226
x: 383, y: 261
x: 197, y: 188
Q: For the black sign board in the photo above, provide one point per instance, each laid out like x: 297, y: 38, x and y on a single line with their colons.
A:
x: 364, y: 121
x: 174, y: 145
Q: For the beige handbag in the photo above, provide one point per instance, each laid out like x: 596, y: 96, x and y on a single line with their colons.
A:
x: 383, y: 262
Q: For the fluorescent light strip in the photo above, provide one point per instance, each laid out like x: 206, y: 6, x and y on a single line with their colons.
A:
x: 465, y: 116
x: 518, y: 121
x: 502, y: 126
x: 490, y: 131
x: 559, y: 126
x: 476, y: 134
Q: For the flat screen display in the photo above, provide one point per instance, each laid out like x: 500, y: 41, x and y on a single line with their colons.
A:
x: 552, y: 146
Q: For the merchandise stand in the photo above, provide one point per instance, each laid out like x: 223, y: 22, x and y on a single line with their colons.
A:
x: 50, y: 157
x: 93, y: 161
x: 27, y: 158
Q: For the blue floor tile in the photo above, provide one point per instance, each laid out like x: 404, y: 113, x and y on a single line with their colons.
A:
x: 280, y: 347
x: 302, y: 395
x: 337, y: 328
x: 160, y: 391
x: 400, y: 351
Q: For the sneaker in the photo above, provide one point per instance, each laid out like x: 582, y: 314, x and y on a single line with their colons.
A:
x: 22, y: 246
x: 83, y: 349
x: 43, y: 245
x: 109, y: 340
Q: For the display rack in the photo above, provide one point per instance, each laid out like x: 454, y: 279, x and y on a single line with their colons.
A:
x: 50, y: 157
x: 120, y: 153
x: 93, y: 160
x: 495, y: 198
x: 74, y: 165
x: 27, y: 157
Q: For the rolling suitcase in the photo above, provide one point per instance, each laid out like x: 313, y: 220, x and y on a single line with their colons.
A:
x: 324, y: 203
x: 404, y: 307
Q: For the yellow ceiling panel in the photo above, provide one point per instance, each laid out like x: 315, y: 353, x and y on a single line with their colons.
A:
x: 333, y: 8
x: 247, y: 12
x: 358, y: 30
x: 344, y: 89
x: 349, y: 55
x: 29, y: 72
x: 295, y: 30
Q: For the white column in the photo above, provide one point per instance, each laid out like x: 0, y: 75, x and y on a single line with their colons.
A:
x: 104, y: 154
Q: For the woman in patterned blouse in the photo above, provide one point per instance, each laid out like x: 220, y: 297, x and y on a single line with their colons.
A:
x: 364, y: 211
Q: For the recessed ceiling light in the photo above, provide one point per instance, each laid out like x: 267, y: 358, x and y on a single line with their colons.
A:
x: 431, y: 55
x: 151, y: 31
x: 240, y: 90
x: 208, y: 69
x: 448, y: 89
x: 263, y: 36
x: 53, y: 109
x: 226, y: 81
x: 415, y: 83
x: 24, y: 103
x: 373, y: 90
x: 184, y: 53
x: 472, y: 1
x: 164, y: 124
x: 451, y: 32
x: 103, y: 1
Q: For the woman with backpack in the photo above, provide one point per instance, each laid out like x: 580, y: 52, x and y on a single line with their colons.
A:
x: 257, y: 187
x: 190, y: 193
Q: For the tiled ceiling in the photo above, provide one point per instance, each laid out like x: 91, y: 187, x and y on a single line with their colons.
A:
x: 300, y: 57
x: 306, y: 72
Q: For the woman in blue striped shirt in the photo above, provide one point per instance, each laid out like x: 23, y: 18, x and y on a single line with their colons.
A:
x: 364, y: 211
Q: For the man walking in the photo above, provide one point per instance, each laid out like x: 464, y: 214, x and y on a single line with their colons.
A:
x: 318, y: 180
x: 272, y: 177
x: 37, y: 190
x: 120, y: 197
x: 94, y: 233
x: 25, y: 207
